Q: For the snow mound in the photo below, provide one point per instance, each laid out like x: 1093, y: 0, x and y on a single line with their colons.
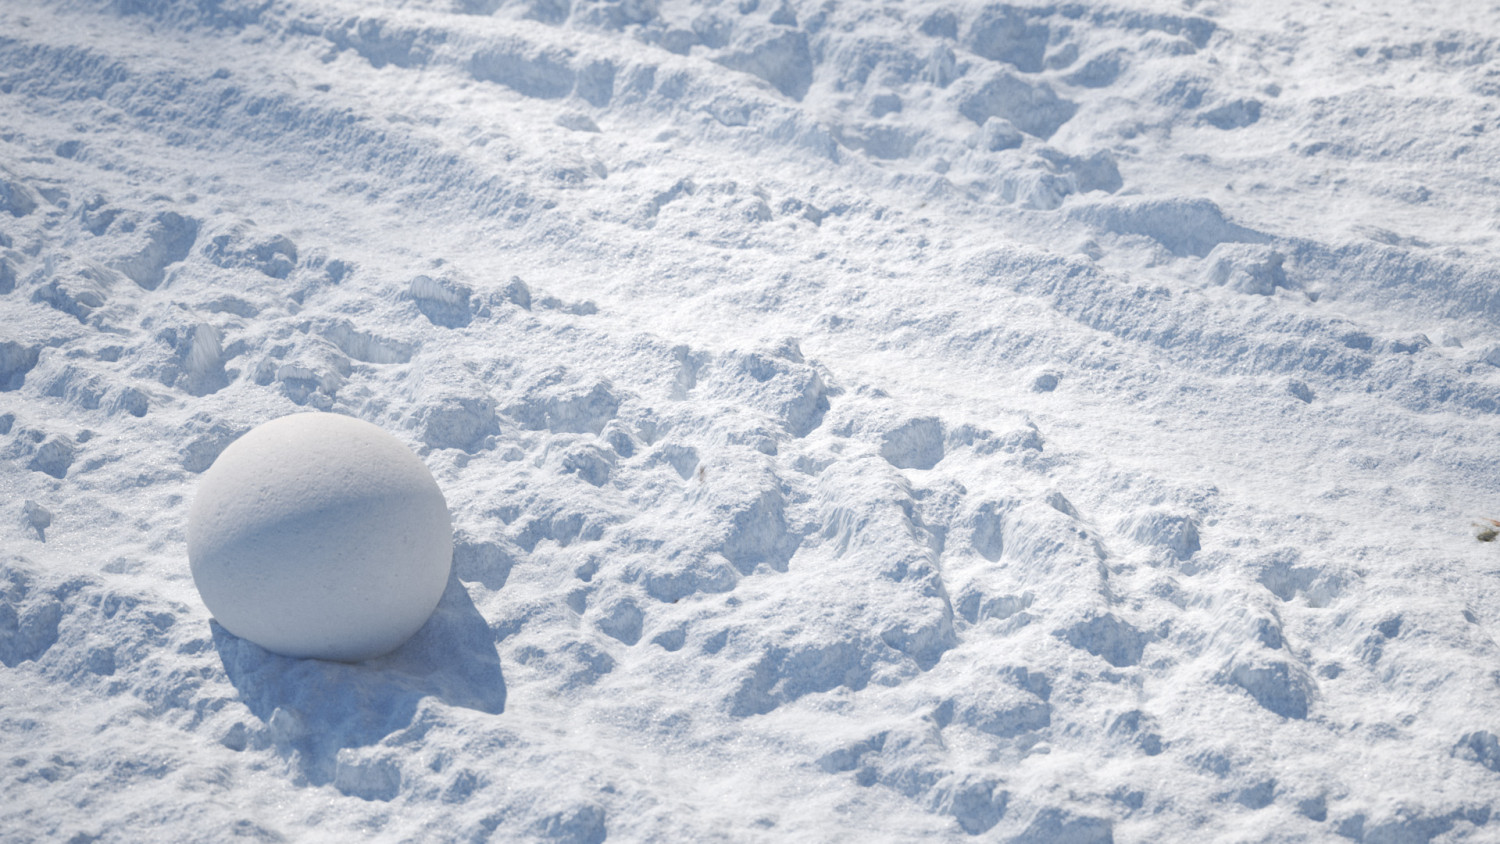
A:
x: 317, y: 535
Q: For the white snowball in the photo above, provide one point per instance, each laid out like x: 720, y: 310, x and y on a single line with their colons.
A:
x: 317, y: 535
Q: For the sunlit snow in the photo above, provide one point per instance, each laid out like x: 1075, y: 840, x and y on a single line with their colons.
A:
x: 860, y: 421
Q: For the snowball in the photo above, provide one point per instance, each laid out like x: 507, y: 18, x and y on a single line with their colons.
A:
x: 317, y: 535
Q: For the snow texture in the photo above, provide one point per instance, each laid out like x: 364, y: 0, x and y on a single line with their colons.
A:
x: 318, y: 535
x: 938, y: 420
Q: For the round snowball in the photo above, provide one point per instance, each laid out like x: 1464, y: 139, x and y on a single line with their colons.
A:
x: 317, y: 535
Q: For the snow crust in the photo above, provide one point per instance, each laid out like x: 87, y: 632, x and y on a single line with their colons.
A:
x: 318, y: 535
x: 944, y: 420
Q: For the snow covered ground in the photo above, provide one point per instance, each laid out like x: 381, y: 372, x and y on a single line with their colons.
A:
x: 862, y: 420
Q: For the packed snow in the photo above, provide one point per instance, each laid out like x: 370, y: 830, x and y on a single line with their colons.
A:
x: 860, y: 420
x: 319, y: 535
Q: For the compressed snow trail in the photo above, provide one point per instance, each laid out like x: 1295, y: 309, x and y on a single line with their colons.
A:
x: 860, y: 421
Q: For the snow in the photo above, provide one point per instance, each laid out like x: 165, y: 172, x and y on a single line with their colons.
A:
x: 318, y: 535
x: 860, y: 421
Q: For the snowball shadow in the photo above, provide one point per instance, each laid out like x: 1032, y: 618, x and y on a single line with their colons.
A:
x: 317, y: 707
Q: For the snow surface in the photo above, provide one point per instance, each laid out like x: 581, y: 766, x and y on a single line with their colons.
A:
x: 861, y: 420
x: 320, y: 535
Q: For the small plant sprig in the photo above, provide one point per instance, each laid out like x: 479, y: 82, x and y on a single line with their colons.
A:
x: 1489, y: 530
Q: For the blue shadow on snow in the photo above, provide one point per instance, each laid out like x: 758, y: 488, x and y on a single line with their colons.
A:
x: 318, y: 708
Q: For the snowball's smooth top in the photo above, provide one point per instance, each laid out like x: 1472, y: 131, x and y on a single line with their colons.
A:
x: 318, y: 535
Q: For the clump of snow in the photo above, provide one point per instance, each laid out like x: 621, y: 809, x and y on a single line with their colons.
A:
x: 318, y: 535
x: 1247, y: 268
